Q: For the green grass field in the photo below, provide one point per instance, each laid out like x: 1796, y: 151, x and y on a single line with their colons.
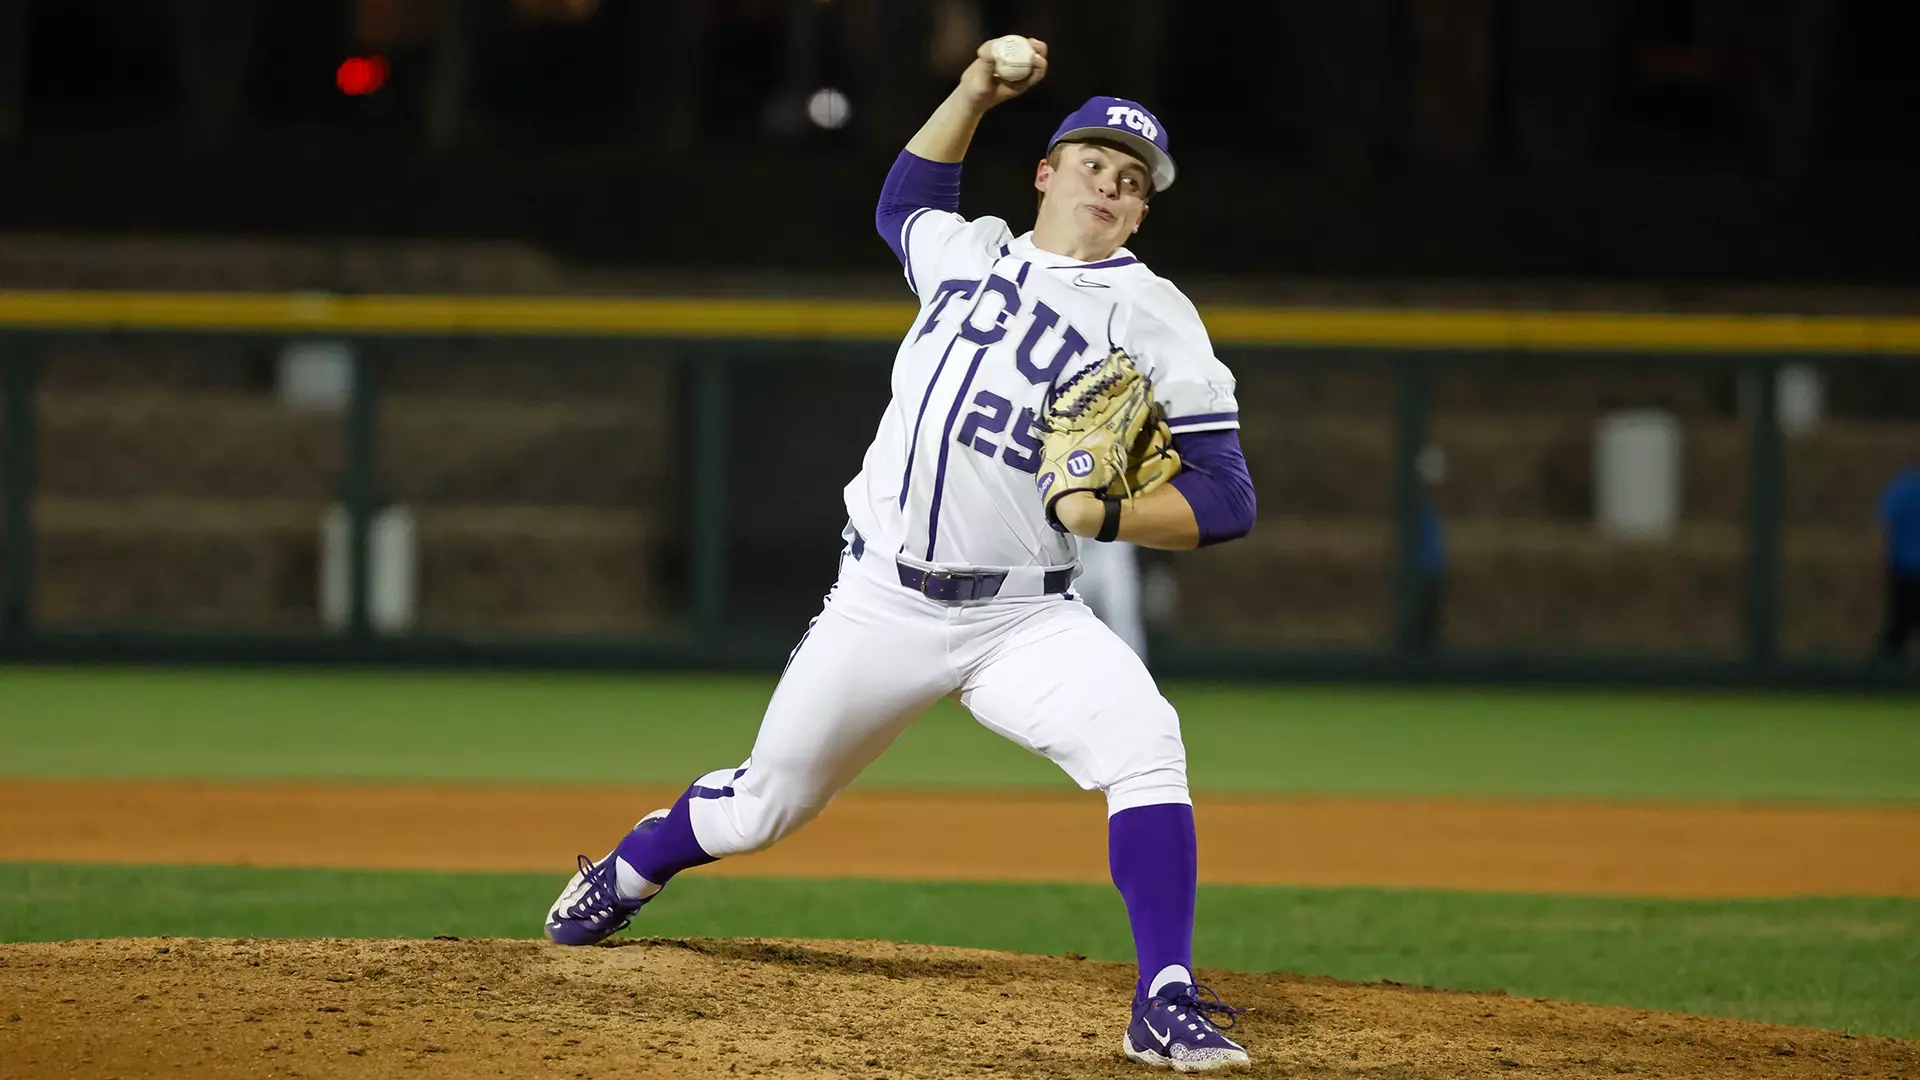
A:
x: 86, y: 722
x: 1852, y: 964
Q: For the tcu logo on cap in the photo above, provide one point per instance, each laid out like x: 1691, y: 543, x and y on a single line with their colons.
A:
x: 1133, y: 118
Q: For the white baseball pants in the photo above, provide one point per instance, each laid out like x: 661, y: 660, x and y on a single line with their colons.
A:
x: 1042, y: 671
x: 1110, y: 584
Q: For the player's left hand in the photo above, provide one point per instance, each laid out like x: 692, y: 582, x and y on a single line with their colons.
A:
x: 1150, y: 464
x: 1092, y: 424
x: 1151, y: 461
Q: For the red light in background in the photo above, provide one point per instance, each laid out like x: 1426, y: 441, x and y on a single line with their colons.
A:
x: 361, y: 75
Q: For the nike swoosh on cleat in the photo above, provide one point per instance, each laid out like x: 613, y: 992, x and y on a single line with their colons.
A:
x: 1164, y: 1039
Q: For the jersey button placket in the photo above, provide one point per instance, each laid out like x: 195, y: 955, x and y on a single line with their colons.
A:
x: 940, y: 448
x: 979, y: 294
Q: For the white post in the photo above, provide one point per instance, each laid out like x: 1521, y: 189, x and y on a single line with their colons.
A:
x: 1636, y: 474
x: 393, y: 570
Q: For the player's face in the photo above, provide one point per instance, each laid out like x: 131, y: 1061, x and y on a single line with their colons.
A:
x: 1097, y: 193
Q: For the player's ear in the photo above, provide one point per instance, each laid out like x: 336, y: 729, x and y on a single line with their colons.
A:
x: 1143, y: 217
x: 1042, y: 174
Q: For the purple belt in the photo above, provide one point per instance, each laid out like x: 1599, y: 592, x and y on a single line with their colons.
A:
x: 953, y: 587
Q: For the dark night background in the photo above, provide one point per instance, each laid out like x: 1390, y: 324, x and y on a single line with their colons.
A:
x: 1763, y: 141
x: 1338, y: 157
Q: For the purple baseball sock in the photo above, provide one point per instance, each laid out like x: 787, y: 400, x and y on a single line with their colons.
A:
x: 1154, y: 857
x: 666, y: 848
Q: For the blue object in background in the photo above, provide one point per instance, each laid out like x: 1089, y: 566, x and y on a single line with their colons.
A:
x: 1433, y: 542
x: 1900, y: 516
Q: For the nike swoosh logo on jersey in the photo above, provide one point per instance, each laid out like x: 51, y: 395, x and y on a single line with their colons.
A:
x: 1168, y: 1037
x: 1086, y: 282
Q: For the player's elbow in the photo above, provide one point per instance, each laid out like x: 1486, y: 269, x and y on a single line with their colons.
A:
x: 1217, y: 485
x: 1222, y: 502
x: 1237, y: 510
x: 887, y: 222
x: 913, y: 184
x: 1240, y: 528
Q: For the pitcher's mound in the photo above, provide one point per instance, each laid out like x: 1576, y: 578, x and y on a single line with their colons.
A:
x: 653, y: 1007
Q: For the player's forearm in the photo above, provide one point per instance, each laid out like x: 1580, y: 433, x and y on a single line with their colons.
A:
x: 1160, y: 519
x: 949, y: 131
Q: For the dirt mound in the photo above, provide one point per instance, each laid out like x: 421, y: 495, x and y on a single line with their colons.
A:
x: 657, y: 1007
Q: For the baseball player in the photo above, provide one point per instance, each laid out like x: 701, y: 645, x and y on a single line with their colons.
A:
x: 1032, y: 365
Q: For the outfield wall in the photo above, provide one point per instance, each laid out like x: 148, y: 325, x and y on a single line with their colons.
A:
x: 624, y: 481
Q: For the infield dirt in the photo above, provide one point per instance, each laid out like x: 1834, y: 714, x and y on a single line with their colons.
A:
x: 1679, y: 850
x: 449, y: 1008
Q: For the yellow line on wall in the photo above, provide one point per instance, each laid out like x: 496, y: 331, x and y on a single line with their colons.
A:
x: 856, y: 320
x: 1541, y: 330
x: 319, y: 313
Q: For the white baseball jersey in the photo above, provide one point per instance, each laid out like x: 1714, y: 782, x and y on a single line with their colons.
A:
x: 950, y: 480
x: 950, y: 477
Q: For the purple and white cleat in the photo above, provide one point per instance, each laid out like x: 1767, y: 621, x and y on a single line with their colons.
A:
x: 1172, y: 1031
x: 591, y: 909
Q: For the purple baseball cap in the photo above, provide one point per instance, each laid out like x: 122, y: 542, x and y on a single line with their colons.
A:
x: 1125, y: 122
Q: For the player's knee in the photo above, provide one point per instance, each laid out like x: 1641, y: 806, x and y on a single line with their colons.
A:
x: 741, y: 810
x: 1167, y: 784
x: 1152, y: 767
x: 753, y: 824
x: 764, y: 829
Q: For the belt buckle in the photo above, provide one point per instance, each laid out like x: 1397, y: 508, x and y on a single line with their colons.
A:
x: 954, y: 595
x: 930, y: 574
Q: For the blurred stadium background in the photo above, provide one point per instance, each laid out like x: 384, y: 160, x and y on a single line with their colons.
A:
x: 519, y: 298
x: 1577, y: 343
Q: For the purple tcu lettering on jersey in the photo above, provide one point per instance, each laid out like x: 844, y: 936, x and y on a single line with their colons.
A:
x: 985, y: 337
x: 1072, y: 344
x: 1009, y: 295
x: 961, y: 287
x: 992, y: 411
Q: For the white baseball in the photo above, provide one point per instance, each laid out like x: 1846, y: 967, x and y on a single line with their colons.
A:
x: 1012, y: 58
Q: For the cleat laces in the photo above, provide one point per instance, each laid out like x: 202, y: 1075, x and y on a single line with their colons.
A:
x: 599, y: 897
x: 1191, y: 1000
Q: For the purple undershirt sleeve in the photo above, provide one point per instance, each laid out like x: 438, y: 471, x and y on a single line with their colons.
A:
x: 1213, y: 477
x: 914, y: 183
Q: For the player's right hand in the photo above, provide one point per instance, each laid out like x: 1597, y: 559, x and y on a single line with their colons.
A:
x: 986, y: 91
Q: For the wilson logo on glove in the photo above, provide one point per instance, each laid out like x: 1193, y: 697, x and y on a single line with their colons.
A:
x: 1093, y: 425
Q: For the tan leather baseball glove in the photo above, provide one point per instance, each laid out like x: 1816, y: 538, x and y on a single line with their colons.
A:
x: 1151, y: 461
x: 1092, y: 428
